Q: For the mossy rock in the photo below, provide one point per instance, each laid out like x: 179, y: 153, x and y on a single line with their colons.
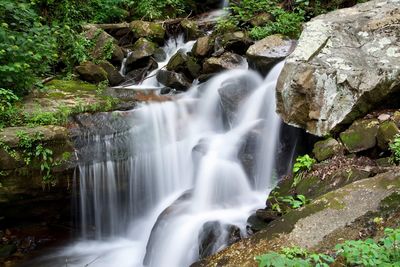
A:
x: 151, y: 30
x: 386, y: 133
x: 326, y: 149
x: 191, y: 29
x: 237, y: 42
x: 384, y: 162
x: 308, y: 226
x: 177, y: 62
x: 361, y: 135
x: 70, y: 86
x: 141, y: 49
x: 90, y: 72
x: 203, y: 46
x: 194, y: 67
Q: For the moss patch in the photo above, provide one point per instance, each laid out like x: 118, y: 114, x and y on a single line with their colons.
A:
x: 71, y: 86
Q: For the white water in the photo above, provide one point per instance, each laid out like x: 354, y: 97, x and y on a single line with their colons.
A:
x: 121, y: 200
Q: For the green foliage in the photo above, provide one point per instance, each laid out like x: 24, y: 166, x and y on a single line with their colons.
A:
x: 366, y: 253
x: 294, y: 202
x: 302, y: 164
x: 156, y: 9
x: 395, y: 149
x: 32, y: 148
x: 27, y: 47
x: 296, y: 257
x: 283, y: 204
x: 286, y: 23
x: 370, y: 253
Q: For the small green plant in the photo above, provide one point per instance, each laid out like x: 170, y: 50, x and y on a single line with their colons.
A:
x: 368, y: 253
x: 302, y: 164
x: 294, y: 202
x: 294, y: 256
x: 279, y: 203
x: 394, y: 147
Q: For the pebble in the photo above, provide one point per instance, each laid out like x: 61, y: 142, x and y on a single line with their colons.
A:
x: 383, y: 117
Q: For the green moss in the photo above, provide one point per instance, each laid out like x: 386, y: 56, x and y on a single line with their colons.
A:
x: 386, y: 133
x: 56, y: 95
x: 71, y: 86
x: 390, y: 203
x: 360, y: 136
x: 289, y: 220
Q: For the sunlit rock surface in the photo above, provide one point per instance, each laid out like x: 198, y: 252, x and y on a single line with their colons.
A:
x: 346, y: 62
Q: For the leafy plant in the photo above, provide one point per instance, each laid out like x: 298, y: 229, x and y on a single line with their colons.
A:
x: 294, y: 202
x: 303, y: 163
x: 394, y: 147
x: 370, y: 253
x: 294, y: 256
x: 280, y: 202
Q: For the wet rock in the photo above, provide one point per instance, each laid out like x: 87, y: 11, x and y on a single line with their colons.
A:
x: 248, y: 152
x: 360, y: 136
x: 141, y: 50
x: 152, y: 30
x: 326, y: 149
x: 202, y: 47
x: 226, y: 61
x: 236, y: 42
x: 113, y: 75
x: 182, y: 63
x: 346, y: 62
x: 159, y: 55
x: 232, y: 93
x: 193, y: 66
x: 267, y: 215
x: 264, y: 54
x: 177, y: 62
x: 102, y: 41
x: 174, y: 80
x: 256, y: 224
x: 208, y: 237
x: 386, y: 133
x: 91, y: 72
x: 191, y: 29
x: 174, y: 209
x: 140, y: 73
x: 213, y: 234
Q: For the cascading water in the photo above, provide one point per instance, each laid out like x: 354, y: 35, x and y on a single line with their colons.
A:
x: 153, y: 190
x: 171, y: 47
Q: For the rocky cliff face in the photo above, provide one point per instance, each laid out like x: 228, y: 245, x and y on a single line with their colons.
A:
x: 345, y: 63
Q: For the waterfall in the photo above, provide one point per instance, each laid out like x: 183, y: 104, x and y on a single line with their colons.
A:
x: 175, y: 171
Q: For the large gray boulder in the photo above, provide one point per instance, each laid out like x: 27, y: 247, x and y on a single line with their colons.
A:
x: 265, y: 53
x: 226, y: 61
x: 174, y: 80
x: 345, y: 63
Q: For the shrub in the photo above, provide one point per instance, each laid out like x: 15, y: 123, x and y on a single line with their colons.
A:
x: 27, y: 47
x: 286, y: 22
